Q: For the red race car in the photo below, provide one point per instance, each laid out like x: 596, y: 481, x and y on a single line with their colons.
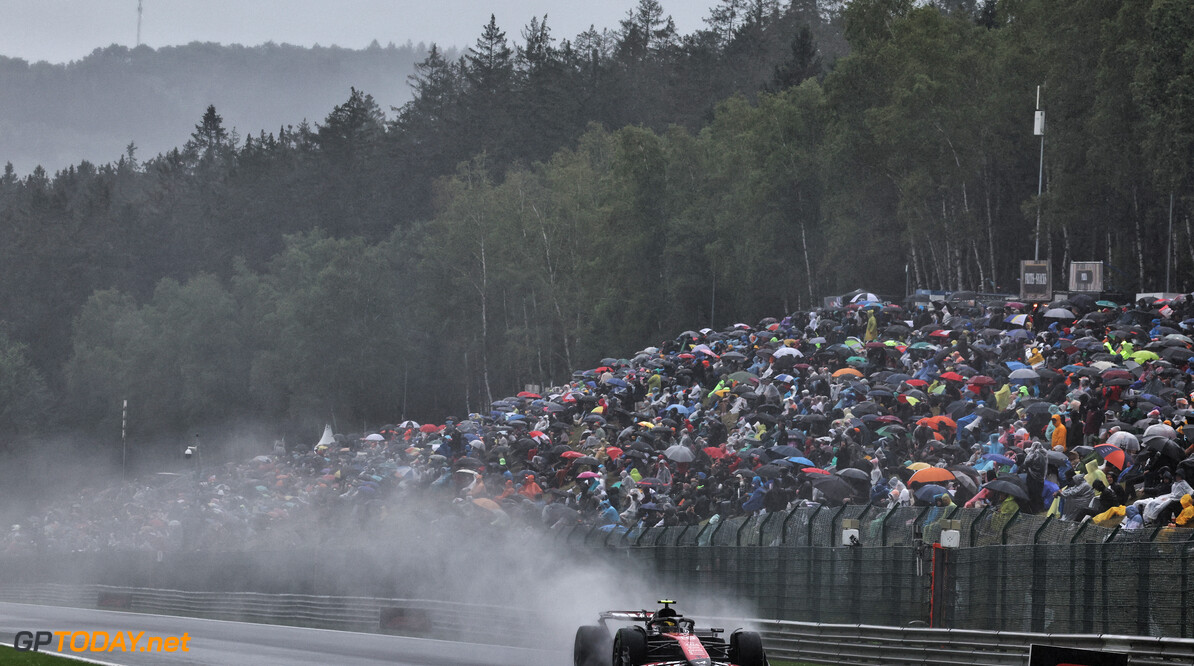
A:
x: 664, y: 638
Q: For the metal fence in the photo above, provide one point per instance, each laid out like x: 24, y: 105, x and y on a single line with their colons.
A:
x: 1013, y: 572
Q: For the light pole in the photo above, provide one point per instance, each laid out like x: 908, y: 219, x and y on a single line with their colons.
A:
x: 1038, y: 129
x: 193, y: 451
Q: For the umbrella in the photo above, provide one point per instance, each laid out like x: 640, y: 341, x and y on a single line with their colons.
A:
x: 613, y: 452
x: 568, y: 453
x: 847, y: 371
x: 680, y: 453
x: 652, y: 482
x: 770, y: 471
x: 586, y: 460
x: 375, y: 438
x: 952, y: 376
x: 929, y: 493
x: 1007, y: 487
x: 801, y: 460
x: 835, y: 488
x: 588, y: 475
x: 815, y: 470
x: 1001, y: 459
x: 855, y: 474
x: 1112, y: 454
x: 787, y: 451
x: 468, y: 461
x: 715, y: 452
x: 1060, y: 313
x: 933, y: 475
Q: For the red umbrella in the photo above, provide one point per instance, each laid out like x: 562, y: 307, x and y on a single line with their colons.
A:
x: 429, y: 427
x: 916, y: 382
x: 939, y: 334
x: 1111, y: 453
x: 815, y: 470
x: 528, y: 394
x: 716, y: 452
x: 571, y: 454
x: 614, y: 452
x: 952, y: 376
x: 982, y: 380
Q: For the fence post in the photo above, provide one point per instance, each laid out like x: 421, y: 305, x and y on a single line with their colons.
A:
x: 883, y: 525
x: 1040, y: 582
x: 763, y: 527
x: 738, y: 534
x: 808, y: 531
x: 783, y: 532
x: 1185, y: 583
x: 1010, y: 521
x: 976, y: 522
x: 1142, y: 576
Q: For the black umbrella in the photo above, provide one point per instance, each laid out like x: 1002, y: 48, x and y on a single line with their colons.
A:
x: 787, y: 451
x: 835, y: 488
x: 854, y: 473
x: 1165, y: 447
x: 586, y: 460
x: 1007, y: 487
x: 770, y: 471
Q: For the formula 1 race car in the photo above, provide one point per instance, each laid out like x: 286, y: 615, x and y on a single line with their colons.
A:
x: 665, y: 638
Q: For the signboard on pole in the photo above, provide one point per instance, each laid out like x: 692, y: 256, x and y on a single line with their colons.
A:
x: 1048, y: 655
x: 1086, y: 276
x: 1036, y: 281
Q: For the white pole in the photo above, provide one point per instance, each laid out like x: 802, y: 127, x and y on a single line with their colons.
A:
x: 1039, y: 128
x: 124, y: 448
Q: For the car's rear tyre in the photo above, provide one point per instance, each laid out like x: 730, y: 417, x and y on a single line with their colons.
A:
x: 592, y: 646
x: 630, y: 647
x: 746, y: 649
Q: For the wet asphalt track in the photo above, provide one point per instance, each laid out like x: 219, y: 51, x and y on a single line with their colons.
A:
x: 220, y: 643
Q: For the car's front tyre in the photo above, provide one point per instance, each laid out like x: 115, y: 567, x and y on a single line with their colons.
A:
x: 592, y: 646
x: 630, y: 647
x: 746, y: 649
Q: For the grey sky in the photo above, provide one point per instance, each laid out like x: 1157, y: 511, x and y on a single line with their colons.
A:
x: 63, y: 30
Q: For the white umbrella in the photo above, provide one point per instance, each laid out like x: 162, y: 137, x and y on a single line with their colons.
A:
x: 1023, y: 373
x: 680, y: 453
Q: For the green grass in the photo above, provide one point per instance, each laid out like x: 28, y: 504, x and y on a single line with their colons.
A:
x: 11, y: 657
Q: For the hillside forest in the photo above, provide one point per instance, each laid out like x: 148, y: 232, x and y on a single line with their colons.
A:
x: 540, y: 203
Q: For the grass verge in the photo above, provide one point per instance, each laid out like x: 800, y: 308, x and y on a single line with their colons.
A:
x: 11, y: 657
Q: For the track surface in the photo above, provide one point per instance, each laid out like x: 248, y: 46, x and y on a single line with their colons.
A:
x: 220, y: 643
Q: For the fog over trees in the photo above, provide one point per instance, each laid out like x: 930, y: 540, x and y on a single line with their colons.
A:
x: 541, y: 202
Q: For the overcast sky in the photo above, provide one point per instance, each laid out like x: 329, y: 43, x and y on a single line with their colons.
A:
x: 64, y: 30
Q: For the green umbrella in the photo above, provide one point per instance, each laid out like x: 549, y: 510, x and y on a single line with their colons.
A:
x: 1106, y: 304
x: 1143, y: 356
x: 742, y: 376
x: 856, y: 360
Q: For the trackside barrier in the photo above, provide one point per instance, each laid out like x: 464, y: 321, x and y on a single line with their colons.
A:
x: 831, y: 644
x: 867, y: 644
x: 413, y: 617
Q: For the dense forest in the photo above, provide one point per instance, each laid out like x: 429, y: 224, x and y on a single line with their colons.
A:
x: 540, y: 203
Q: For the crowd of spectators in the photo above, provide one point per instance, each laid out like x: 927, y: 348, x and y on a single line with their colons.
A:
x: 1076, y: 409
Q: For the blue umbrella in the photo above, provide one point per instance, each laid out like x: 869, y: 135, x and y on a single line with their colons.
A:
x: 1001, y: 459
x: 930, y: 492
x: 801, y: 460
